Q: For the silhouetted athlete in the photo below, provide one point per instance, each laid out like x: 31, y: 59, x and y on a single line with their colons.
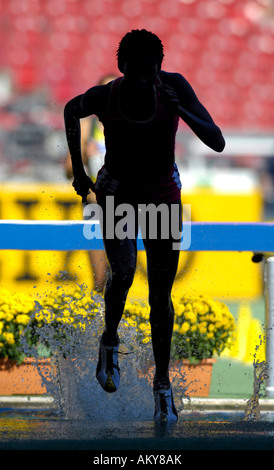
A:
x: 140, y: 113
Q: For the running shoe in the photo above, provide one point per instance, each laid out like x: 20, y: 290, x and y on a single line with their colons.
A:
x: 107, y: 371
x: 164, y: 406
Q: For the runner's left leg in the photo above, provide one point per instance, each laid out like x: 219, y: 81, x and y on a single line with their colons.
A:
x: 162, y: 263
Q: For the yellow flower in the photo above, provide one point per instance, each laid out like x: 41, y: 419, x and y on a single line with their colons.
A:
x: 66, y: 312
x: 9, y: 337
x: 77, y: 295
x: 184, y: 328
x: 191, y: 316
x: 202, y: 308
x: 39, y: 316
x: 9, y: 317
x: 176, y: 327
x: 202, y: 328
x: 142, y: 326
x: 180, y: 310
x: 188, y: 306
x: 146, y: 340
x: 23, y: 319
x: 48, y: 315
x: 5, y: 308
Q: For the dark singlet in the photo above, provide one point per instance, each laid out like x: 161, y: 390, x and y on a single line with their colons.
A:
x: 139, y: 154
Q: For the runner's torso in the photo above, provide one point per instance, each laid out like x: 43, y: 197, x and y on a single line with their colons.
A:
x: 140, y: 153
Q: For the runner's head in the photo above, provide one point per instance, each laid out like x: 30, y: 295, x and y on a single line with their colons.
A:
x: 140, y: 54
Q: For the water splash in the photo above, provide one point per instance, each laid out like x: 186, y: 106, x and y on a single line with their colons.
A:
x: 81, y: 396
x: 73, y: 382
x: 252, y: 411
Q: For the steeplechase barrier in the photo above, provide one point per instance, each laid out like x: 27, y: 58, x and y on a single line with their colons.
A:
x: 68, y: 235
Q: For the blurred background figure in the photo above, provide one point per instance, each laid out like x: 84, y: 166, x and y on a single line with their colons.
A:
x: 93, y: 145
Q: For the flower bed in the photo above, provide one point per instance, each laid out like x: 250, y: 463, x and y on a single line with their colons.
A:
x: 202, y: 327
x: 26, y: 325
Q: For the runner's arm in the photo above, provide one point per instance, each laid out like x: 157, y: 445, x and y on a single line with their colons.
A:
x: 78, y: 108
x: 195, y: 115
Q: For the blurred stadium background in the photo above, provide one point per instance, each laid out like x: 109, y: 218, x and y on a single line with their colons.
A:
x: 52, y: 50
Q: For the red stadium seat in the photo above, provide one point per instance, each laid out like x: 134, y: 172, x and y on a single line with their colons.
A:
x: 221, y: 47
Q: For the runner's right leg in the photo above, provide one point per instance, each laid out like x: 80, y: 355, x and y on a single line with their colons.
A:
x: 122, y: 256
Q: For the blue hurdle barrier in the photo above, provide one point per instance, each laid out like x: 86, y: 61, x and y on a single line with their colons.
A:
x: 69, y: 236
x: 257, y: 237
